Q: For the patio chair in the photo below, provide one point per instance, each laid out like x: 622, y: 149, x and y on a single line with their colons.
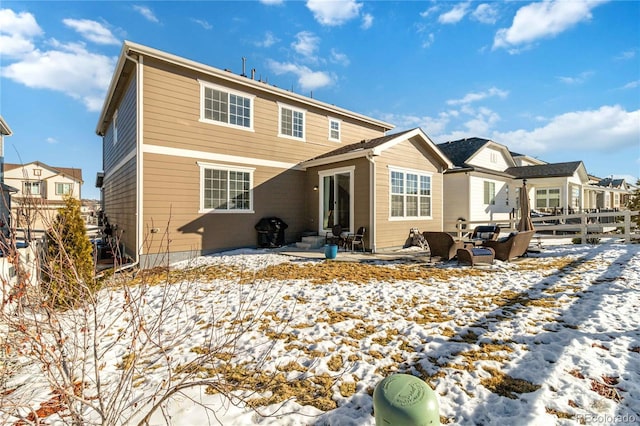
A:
x: 356, y: 239
x: 486, y: 233
x: 334, y: 236
x: 442, y: 245
x: 512, y: 246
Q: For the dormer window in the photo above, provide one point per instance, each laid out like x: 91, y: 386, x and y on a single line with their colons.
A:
x: 37, y: 172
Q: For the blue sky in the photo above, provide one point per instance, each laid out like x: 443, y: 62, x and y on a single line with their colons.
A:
x: 557, y: 80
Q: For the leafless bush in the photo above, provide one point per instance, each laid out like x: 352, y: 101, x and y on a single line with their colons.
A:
x: 123, y: 354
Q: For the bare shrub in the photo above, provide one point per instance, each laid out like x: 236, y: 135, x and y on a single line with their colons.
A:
x: 121, y: 355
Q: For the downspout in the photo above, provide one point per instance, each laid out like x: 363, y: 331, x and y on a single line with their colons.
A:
x: 372, y: 202
x: 139, y: 138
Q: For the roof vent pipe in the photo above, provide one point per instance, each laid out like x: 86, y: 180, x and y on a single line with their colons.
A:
x: 244, y: 66
x: 253, y: 74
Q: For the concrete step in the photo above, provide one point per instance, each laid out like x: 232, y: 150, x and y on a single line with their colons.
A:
x: 303, y: 246
x: 314, y: 241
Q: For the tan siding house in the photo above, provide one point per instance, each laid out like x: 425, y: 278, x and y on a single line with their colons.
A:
x: 195, y: 156
x: 40, y: 192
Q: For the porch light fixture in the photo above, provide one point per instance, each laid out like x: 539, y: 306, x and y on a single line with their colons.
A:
x: 315, y: 187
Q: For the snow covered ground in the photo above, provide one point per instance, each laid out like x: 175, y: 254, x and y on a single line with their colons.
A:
x: 549, y: 339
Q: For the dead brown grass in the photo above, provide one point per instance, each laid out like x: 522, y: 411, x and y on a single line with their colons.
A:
x: 505, y: 385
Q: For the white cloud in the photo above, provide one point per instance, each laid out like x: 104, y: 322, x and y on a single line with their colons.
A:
x: 307, y: 78
x: 16, y: 33
x: 474, y: 97
x: 272, y: 2
x: 146, y: 12
x: 334, y: 13
x: 626, y: 55
x: 455, y: 15
x: 606, y: 128
x: 428, y: 40
x: 543, y: 20
x: 631, y: 85
x: 339, y: 58
x: 203, y: 23
x: 51, y: 140
x: 268, y: 40
x: 486, y: 13
x: 306, y: 43
x: 92, y: 30
x: 367, y: 21
x: 579, y: 79
x: 67, y: 68
x: 429, y: 11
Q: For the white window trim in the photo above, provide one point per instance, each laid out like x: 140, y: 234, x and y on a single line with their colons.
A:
x: 31, y: 183
x: 414, y: 172
x: 64, y: 183
x: 204, y: 166
x: 547, y: 189
x: 206, y: 85
x: 332, y: 120
x: 489, y: 184
x: 304, y: 122
x: 114, y: 124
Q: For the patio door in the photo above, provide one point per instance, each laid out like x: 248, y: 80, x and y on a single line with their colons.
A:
x: 336, y: 200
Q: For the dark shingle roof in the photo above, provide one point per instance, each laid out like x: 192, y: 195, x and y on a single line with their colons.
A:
x: 459, y: 151
x: 610, y: 182
x: 545, y: 170
x: 362, y: 145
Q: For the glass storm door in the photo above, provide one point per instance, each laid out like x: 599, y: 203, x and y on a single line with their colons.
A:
x: 336, y: 201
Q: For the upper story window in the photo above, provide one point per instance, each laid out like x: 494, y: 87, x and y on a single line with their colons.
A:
x: 37, y: 172
x: 489, y: 192
x: 225, y: 189
x: 32, y: 188
x: 334, y: 129
x: 410, y: 194
x: 291, y: 122
x: 64, y: 188
x: 223, y: 106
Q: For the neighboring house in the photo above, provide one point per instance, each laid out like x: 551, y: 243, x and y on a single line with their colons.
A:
x: 41, y: 190
x: 485, y: 182
x: 5, y: 190
x: 609, y: 194
x: 194, y: 157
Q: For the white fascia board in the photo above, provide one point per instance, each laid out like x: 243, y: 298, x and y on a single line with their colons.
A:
x: 336, y: 158
x: 5, y: 130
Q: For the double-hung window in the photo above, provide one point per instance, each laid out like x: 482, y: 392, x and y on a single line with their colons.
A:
x: 291, y: 122
x: 32, y: 188
x: 223, y: 106
x: 410, y: 194
x: 64, y: 188
x: 225, y: 189
x: 334, y: 129
x: 489, y: 192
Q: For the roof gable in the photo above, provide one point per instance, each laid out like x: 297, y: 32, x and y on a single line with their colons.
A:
x: 375, y: 147
x: 470, y: 153
x: 70, y: 172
